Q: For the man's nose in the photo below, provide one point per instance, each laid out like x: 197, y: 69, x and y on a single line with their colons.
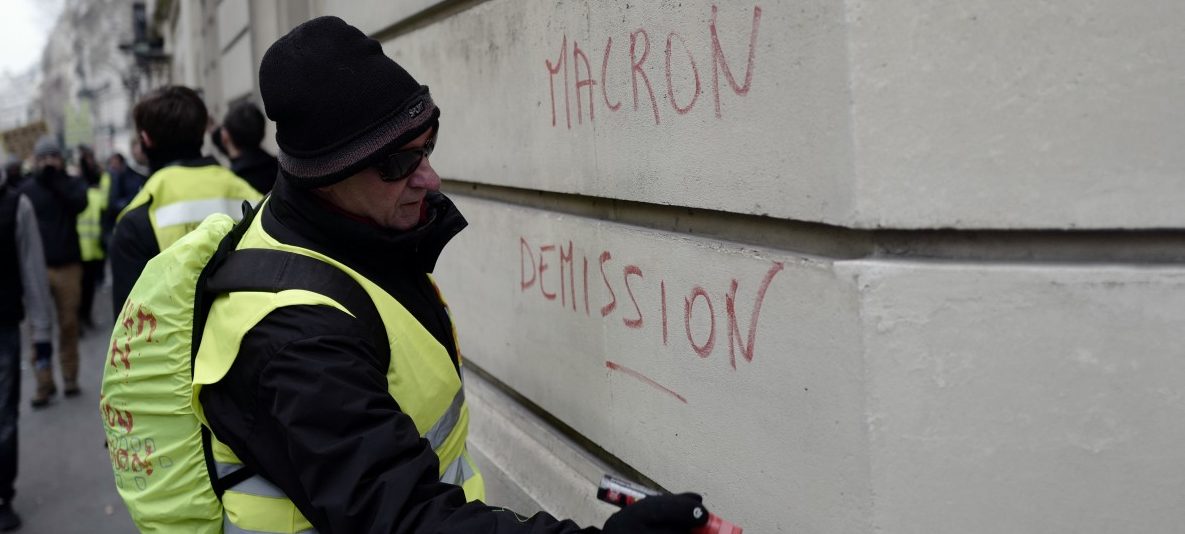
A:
x: 425, y: 177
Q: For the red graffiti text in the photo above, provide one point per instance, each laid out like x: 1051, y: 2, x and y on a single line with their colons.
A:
x: 618, y: 290
x: 135, y: 321
x: 573, y: 88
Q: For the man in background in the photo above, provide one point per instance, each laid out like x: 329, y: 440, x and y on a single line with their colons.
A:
x: 57, y: 199
x: 13, y: 172
x: 92, y: 239
x: 125, y: 183
x: 183, y: 189
x: 239, y: 137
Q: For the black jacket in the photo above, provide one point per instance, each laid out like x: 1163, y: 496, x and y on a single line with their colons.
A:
x: 306, y: 404
x: 133, y: 243
x: 57, y: 198
x: 124, y: 186
x: 257, y: 167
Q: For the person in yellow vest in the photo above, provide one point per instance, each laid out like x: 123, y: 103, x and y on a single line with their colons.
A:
x: 348, y: 412
x: 90, y: 231
x: 182, y: 190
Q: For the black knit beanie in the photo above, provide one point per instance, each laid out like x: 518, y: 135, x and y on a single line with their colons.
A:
x: 339, y: 103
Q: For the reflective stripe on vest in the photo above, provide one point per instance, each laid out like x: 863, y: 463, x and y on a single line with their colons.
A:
x: 427, y: 386
x: 180, y: 198
x: 459, y: 471
x: 230, y: 528
x: 252, y: 513
x: 196, y: 211
x: 447, y: 422
x: 256, y: 485
x: 251, y: 490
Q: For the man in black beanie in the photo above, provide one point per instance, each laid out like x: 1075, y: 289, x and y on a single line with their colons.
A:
x: 348, y: 406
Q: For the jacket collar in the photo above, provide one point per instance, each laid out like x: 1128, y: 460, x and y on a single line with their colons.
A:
x: 160, y: 158
x: 251, y: 158
x: 299, y: 217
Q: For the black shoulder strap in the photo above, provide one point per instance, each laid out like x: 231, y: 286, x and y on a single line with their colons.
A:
x: 201, y: 311
x: 273, y: 271
x: 203, y: 299
x: 231, y: 270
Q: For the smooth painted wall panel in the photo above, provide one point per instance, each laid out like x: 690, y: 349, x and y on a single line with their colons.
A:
x: 1025, y: 399
x: 882, y: 395
x: 374, y: 15
x: 528, y: 95
x: 238, y: 75
x: 1018, y: 113
x: 968, y: 114
x: 232, y: 18
x: 777, y: 443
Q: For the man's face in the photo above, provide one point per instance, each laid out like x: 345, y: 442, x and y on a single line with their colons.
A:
x: 51, y: 160
x: 396, y: 205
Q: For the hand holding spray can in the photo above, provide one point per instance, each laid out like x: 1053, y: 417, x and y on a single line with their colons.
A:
x: 622, y: 493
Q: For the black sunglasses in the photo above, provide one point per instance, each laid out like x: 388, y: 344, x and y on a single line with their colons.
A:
x: 399, y: 165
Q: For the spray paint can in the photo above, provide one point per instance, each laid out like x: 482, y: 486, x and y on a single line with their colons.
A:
x: 623, y: 493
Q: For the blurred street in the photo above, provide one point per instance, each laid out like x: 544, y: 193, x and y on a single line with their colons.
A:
x: 65, y: 483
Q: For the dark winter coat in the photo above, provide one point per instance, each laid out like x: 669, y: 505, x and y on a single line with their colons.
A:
x: 305, y: 369
x: 257, y: 167
x: 57, y: 198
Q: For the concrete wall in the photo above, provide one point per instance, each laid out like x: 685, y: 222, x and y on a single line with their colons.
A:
x: 844, y: 116
x: 739, y: 249
x: 1023, y: 398
x: 217, y: 46
x: 1017, y: 114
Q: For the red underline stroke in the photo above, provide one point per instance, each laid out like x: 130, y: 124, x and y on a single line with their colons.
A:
x: 618, y: 367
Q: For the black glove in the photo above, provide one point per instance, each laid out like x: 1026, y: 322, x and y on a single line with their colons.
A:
x: 42, y: 351
x: 661, y: 514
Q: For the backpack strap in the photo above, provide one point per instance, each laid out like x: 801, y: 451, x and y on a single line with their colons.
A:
x: 272, y: 271
x: 202, y: 302
x: 203, y: 299
x: 269, y: 270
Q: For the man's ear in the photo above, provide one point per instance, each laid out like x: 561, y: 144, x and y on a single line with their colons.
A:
x: 227, y: 141
x: 145, y: 140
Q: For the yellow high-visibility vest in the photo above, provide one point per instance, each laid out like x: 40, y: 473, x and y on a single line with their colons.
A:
x: 427, y: 387
x: 155, y: 423
x: 182, y: 197
x: 90, y: 222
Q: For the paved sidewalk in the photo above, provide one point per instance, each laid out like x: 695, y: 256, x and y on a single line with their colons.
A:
x: 65, y: 484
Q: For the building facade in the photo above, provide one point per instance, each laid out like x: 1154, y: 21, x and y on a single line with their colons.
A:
x: 87, y: 84
x: 888, y: 266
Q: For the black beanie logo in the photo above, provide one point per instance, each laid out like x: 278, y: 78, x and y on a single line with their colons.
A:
x: 415, y: 110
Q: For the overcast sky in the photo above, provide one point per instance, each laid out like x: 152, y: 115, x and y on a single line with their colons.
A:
x: 24, y: 28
